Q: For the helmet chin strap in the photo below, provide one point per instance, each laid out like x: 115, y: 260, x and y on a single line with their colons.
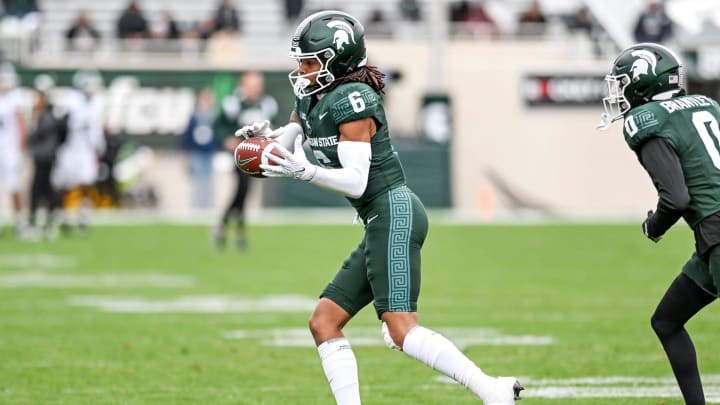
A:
x: 606, y: 121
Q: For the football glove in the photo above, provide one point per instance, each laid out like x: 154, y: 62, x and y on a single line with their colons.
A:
x: 256, y: 129
x: 294, y: 165
x: 645, y: 228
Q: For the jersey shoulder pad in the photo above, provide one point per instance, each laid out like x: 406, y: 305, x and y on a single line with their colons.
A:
x: 353, y: 101
x: 642, y: 123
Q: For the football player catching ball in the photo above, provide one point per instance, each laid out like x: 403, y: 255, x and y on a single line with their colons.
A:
x: 339, y: 112
x: 675, y: 137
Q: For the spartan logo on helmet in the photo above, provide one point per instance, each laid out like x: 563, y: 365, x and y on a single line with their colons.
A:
x: 644, y: 61
x: 642, y: 73
x: 343, y: 34
x: 334, y: 41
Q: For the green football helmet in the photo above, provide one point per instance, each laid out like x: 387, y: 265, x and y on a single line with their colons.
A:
x: 336, y: 40
x: 643, y: 72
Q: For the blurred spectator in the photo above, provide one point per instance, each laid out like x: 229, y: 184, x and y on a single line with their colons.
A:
x: 107, y: 183
x: 532, y: 21
x: 582, y: 22
x: 409, y: 10
x: 377, y: 25
x: 76, y: 166
x: 82, y: 35
x: 246, y: 105
x: 132, y: 27
x: 293, y: 9
x: 49, y: 132
x: 458, y: 11
x: 166, y: 27
x: 226, y: 18
x: 653, y: 24
x: 165, y: 33
x: 196, y: 37
x: 21, y: 20
x: 200, y: 144
x: 12, y: 142
x: 472, y: 19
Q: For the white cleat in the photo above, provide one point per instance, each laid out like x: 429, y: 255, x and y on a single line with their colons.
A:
x: 505, y: 391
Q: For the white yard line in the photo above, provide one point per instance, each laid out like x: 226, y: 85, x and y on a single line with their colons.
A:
x: 198, y: 304
x: 36, y: 261
x: 39, y: 279
x: 606, y: 387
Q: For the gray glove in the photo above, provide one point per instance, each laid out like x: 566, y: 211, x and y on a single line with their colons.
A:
x: 256, y: 129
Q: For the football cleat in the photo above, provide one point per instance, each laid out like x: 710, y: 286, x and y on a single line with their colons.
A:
x: 505, y: 391
x: 218, y: 237
x: 240, y: 243
x: 517, y: 387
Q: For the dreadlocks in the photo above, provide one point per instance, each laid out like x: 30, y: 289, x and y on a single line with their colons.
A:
x: 368, y: 74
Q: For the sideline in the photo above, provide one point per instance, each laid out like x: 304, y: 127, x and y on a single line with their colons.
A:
x: 335, y: 216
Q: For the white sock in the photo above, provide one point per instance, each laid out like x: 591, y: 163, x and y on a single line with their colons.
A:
x: 436, y: 351
x: 338, y: 361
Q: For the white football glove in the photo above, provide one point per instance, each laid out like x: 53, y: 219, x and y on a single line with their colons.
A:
x: 294, y: 165
x: 256, y: 129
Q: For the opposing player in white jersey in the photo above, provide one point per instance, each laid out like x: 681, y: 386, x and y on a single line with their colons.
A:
x: 12, y: 140
x: 77, y: 166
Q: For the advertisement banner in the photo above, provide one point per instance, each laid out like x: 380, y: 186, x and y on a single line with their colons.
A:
x: 581, y: 90
x: 153, y: 107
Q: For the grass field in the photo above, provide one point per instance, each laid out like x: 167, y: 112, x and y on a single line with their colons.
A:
x: 153, y: 315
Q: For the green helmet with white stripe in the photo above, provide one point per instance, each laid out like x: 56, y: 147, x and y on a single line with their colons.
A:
x: 641, y: 73
x: 336, y: 40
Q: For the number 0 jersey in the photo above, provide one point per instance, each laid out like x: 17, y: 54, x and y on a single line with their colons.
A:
x: 351, y: 102
x: 690, y: 125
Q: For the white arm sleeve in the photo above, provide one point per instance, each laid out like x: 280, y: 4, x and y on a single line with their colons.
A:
x: 351, y: 180
x: 286, y: 135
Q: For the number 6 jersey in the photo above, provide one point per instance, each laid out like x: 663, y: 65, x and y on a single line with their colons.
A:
x: 321, y: 115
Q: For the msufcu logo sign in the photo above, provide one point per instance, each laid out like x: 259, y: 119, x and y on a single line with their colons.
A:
x: 137, y: 110
x: 155, y: 111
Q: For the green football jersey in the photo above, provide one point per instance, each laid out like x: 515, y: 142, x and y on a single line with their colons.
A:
x: 350, y: 102
x: 237, y: 112
x: 690, y: 125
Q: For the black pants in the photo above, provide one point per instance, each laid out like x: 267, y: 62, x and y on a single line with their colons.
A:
x: 42, y: 191
x: 236, y: 210
x: 681, y: 301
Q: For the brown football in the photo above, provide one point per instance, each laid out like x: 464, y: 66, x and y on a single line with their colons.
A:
x: 249, y: 155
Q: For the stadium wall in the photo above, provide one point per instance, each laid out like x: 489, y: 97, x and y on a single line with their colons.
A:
x: 508, y: 158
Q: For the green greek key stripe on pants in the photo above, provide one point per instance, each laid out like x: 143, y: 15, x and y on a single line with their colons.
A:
x: 399, y: 250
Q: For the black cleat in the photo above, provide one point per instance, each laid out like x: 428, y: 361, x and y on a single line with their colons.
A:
x: 502, y: 391
x: 516, y: 389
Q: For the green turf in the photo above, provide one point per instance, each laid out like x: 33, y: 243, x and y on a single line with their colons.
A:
x: 591, y: 289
